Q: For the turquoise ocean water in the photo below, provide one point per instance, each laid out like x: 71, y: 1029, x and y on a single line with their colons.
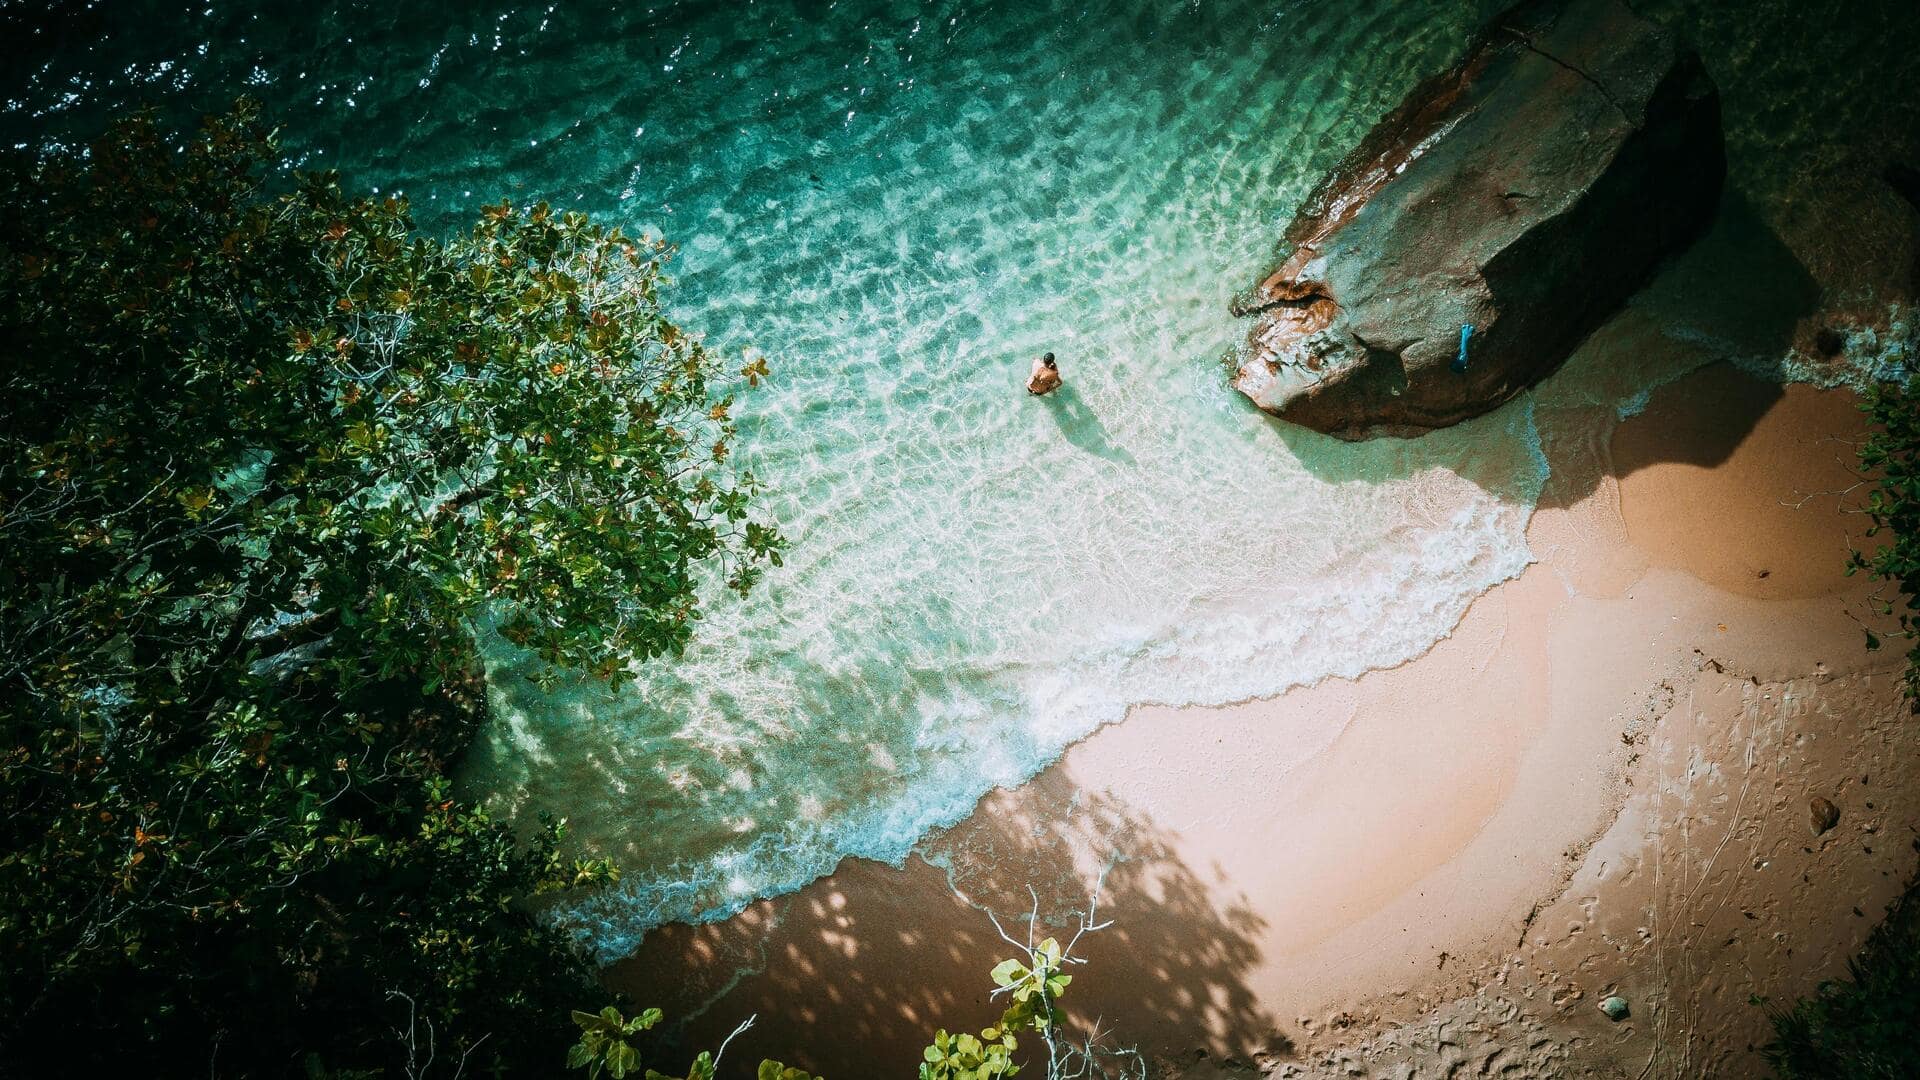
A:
x: 902, y: 204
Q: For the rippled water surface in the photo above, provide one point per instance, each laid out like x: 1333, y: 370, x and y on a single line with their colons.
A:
x: 902, y: 204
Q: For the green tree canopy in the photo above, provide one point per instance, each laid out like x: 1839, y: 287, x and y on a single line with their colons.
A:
x: 269, y: 457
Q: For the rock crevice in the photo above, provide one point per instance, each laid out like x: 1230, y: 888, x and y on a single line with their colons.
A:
x: 1576, y: 69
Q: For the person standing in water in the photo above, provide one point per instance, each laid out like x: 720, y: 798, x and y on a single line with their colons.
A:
x: 1045, y: 377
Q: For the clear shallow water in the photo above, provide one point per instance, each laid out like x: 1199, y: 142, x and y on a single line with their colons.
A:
x: 979, y: 577
x: 902, y: 204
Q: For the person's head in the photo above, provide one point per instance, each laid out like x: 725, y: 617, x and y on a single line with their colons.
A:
x: 1047, y: 359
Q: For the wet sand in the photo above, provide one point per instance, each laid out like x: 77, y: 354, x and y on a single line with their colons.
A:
x: 1597, y: 784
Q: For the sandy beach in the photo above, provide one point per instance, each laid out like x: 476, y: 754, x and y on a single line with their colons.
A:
x: 1598, y: 784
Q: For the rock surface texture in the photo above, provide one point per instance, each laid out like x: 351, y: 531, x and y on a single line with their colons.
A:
x: 1528, y: 192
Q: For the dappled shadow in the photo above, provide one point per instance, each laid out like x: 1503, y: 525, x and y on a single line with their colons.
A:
x: 1737, y: 293
x: 850, y: 976
x: 1082, y: 426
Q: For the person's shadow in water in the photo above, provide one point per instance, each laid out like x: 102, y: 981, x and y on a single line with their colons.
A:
x: 1081, y: 427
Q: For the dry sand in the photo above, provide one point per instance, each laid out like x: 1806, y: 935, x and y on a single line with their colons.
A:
x: 1599, y: 783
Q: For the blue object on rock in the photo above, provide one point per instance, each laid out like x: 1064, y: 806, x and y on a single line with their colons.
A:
x: 1459, y: 364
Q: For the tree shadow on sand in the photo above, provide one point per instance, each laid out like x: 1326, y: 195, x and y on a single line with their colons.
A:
x: 1738, y: 292
x: 850, y: 976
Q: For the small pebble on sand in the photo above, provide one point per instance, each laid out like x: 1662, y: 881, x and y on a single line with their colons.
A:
x: 1825, y: 815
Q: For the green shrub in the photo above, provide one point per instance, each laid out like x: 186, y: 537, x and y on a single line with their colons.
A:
x: 1866, y: 1027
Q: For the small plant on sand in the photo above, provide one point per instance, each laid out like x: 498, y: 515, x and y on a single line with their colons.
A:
x: 603, y: 1047
x: 603, y: 1044
x: 1033, y: 981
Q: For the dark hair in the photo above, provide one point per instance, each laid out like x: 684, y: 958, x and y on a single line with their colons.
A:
x: 1047, y: 359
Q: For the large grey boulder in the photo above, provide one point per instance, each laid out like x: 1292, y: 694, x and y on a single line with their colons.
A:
x: 1527, y: 192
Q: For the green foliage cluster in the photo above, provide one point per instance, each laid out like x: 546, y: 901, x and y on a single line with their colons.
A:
x: 1033, y: 983
x: 774, y: 1070
x: 1891, y: 455
x: 604, y: 1047
x: 964, y: 1057
x: 267, y: 458
x: 1034, y: 986
x: 1868, y: 1026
